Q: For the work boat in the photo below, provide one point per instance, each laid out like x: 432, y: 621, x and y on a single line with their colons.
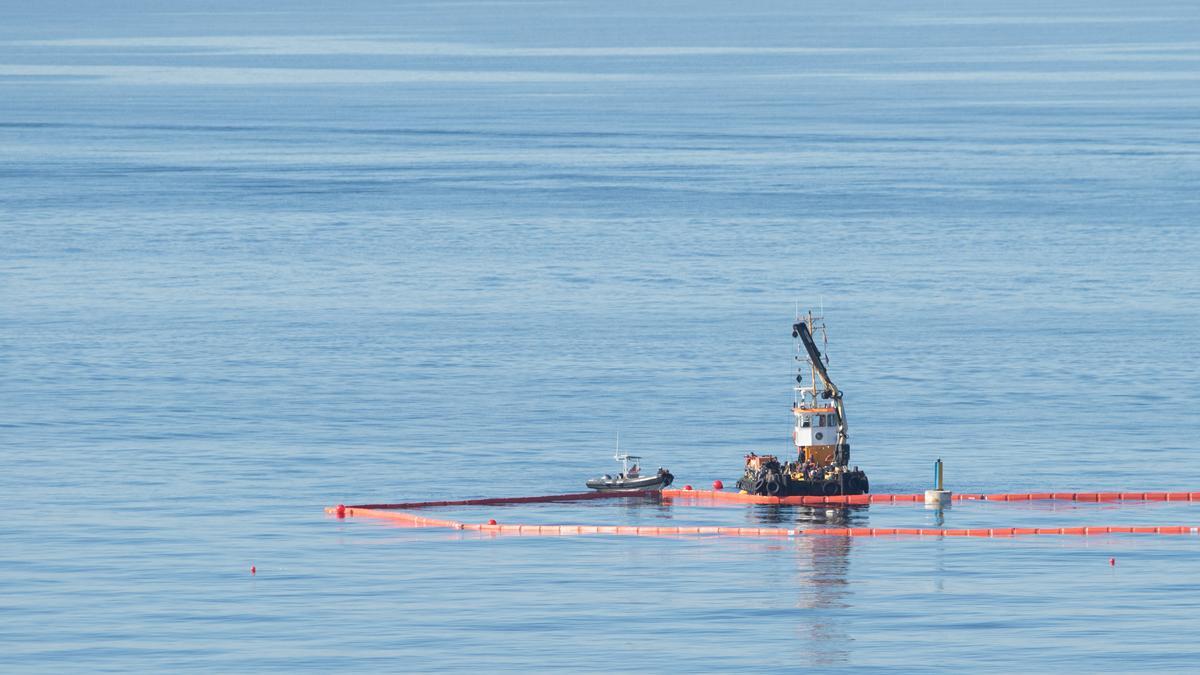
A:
x: 822, y: 463
x: 631, y: 478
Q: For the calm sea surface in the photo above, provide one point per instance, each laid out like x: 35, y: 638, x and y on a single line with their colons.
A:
x: 261, y: 258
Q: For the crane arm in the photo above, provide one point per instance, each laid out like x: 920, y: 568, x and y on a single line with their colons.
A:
x: 800, y: 330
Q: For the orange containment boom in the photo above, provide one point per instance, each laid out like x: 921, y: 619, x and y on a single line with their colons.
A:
x: 414, y: 520
x: 493, y: 501
x: 717, y: 495
x: 391, y: 512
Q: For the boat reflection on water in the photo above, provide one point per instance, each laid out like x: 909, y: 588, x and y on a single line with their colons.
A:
x: 646, y: 510
x: 806, y: 517
x: 822, y: 594
x: 822, y: 573
x: 822, y: 579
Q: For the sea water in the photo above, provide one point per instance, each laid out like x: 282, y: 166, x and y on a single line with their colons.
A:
x: 261, y: 258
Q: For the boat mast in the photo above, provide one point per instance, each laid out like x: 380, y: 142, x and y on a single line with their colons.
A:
x: 623, y: 459
x: 804, y: 331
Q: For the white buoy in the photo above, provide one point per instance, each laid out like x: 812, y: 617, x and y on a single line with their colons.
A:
x: 937, y: 496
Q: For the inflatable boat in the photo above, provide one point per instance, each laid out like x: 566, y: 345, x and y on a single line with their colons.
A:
x: 631, y: 478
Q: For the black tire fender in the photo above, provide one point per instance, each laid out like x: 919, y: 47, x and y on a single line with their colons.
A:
x: 772, y: 486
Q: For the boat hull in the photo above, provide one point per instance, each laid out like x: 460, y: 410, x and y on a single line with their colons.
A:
x: 780, y: 485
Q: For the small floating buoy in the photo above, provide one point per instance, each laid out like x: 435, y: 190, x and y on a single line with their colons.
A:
x: 253, y: 570
x: 687, y: 487
x: 718, y: 485
x: 1112, y: 562
x: 341, y: 510
x: 492, y: 521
